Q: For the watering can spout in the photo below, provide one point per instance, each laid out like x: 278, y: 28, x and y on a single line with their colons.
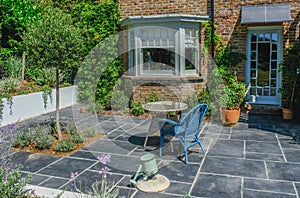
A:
x: 133, y: 181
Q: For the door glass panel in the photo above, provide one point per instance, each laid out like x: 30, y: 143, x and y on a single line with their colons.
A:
x: 263, y: 64
x: 274, y: 65
x: 274, y: 55
x: 253, y: 64
x: 273, y: 92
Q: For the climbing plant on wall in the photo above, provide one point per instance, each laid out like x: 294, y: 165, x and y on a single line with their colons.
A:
x: 99, y: 22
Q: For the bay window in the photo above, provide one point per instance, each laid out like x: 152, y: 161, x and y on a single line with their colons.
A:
x: 165, y: 45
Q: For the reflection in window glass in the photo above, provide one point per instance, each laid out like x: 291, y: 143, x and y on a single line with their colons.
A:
x: 274, y: 37
x: 190, y: 58
x: 253, y: 37
x: 158, y: 59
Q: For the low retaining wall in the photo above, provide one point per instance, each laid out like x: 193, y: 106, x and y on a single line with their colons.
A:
x: 31, y: 105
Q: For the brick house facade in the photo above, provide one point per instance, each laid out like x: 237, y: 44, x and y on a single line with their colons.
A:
x: 227, y: 17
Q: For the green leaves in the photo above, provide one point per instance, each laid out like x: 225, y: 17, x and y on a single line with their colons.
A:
x: 53, y: 41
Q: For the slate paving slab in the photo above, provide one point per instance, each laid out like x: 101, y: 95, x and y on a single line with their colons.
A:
x: 260, y: 194
x: 120, y: 164
x: 54, y: 183
x: 237, y: 167
x: 263, y: 147
x: 269, y: 186
x: 33, y: 162
x: 65, y: 166
x: 110, y: 146
x: 85, y: 181
x: 297, y: 186
x: 265, y: 157
x: 228, y: 148
x: 178, y: 171
x: 255, y: 136
x: 292, y: 155
x: 283, y: 171
x: 208, y: 185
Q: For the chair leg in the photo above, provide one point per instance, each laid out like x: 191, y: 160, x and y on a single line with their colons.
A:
x: 186, y: 155
x: 201, y: 146
x: 161, y: 143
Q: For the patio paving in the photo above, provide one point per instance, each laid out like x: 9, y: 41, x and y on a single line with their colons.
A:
x: 257, y: 158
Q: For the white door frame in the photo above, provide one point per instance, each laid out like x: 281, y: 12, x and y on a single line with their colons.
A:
x: 260, y: 98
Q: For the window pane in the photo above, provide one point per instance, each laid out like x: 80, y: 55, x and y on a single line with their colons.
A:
x: 190, y: 58
x: 253, y: 37
x: 274, y: 37
x: 158, y: 59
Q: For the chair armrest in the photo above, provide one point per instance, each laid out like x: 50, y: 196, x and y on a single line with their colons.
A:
x: 165, y: 121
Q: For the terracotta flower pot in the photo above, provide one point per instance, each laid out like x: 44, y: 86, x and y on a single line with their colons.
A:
x: 230, y: 117
x: 287, y: 113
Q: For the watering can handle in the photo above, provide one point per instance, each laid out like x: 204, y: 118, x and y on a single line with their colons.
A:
x: 133, y: 181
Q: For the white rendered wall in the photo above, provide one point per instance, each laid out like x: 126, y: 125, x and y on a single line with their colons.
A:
x: 31, y: 105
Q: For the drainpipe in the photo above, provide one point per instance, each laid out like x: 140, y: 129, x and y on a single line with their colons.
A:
x: 212, y: 29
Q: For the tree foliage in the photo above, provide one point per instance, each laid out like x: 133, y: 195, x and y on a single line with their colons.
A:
x: 53, y: 42
x: 14, y: 17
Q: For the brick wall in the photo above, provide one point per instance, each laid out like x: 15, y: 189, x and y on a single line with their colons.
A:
x: 175, y: 88
x: 227, y: 18
x: 156, y: 7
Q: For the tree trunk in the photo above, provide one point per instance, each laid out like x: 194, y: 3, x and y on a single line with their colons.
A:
x: 60, y: 137
x: 23, y: 67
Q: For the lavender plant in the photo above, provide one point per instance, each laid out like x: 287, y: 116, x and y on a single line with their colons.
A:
x: 101, y: 189
x: 11, y: 181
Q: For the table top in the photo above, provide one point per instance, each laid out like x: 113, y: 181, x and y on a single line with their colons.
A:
x: 165, y: 106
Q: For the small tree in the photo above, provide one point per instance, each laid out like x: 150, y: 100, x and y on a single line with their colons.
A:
x: 53, y: 41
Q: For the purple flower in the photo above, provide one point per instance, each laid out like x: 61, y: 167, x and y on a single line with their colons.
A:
x: 104, y: 171
x: 104, y: 159
x: 80, y: 18
x: 73, y: 174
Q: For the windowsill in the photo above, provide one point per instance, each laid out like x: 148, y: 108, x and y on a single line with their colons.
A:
x: 164, y: 79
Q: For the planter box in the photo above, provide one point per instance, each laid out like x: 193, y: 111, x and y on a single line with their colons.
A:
x: 31, y: 105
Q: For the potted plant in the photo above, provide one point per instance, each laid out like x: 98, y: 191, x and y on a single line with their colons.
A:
x: 291, y: 72
x: 227, y: 90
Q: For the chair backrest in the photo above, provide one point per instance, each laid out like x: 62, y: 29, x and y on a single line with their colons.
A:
x: 191, y: 120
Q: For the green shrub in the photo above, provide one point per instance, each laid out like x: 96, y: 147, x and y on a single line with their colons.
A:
x: 43, y: 76
x: 12, y: 181
x: 42, y: 137
x: 22, y: 139
x: 77, y: 138
x: 9, y: 85
x: 137, y: 108
x: 119, y: 101
x: 90, y: 132
x: 22, y: 92
x: 13, y: 67
x: 64, y: 146
x: 204, y: 97
x: 191, y: 101
x: 43, y: 141
x: 152, y: 97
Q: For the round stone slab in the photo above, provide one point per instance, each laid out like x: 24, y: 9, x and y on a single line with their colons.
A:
x: 156, y: 184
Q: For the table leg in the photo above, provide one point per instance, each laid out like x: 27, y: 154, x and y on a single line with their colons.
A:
x: 153, y: 125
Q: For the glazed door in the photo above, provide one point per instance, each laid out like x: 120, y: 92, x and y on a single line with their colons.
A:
x: 263, y: 60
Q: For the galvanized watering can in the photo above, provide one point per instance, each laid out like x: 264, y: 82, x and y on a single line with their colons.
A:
x: 147, y: 169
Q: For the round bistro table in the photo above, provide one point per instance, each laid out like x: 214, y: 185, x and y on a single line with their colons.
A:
x: 162, y: 108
